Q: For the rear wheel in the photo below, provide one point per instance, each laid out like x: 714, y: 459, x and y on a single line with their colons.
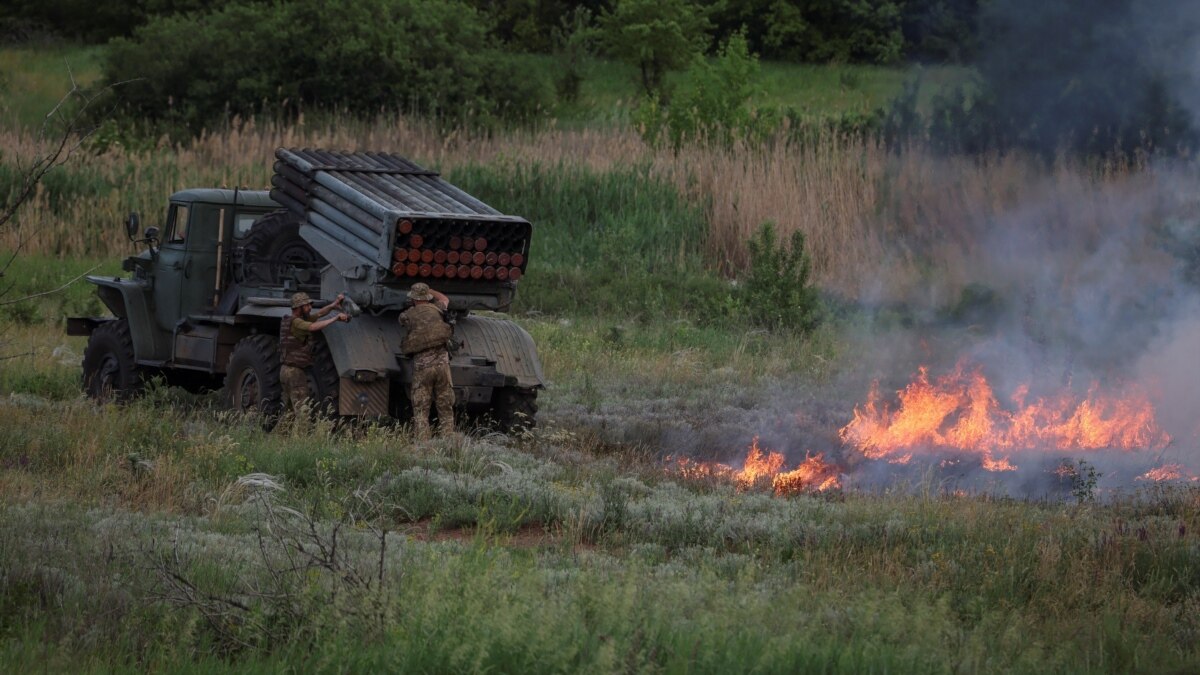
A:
x: 323, y: 381
x: 252, y: 377
x: 110, y: 372
x: 514, y: 410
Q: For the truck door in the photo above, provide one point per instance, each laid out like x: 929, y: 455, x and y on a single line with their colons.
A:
x: 168, y: 266
x: 185, y: 278
x: 197, y: 293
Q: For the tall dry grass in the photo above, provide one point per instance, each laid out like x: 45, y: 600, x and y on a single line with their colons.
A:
x: 880, y: 226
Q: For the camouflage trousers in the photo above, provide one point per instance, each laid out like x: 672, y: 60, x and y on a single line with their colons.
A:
x: 432, y: 386
x: 294, y: 382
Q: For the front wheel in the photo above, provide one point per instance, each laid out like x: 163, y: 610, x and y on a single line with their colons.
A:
x: 110, y: 371
x: 252, y: 377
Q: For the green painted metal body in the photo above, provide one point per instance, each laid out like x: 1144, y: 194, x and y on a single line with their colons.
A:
x: 187, y: 311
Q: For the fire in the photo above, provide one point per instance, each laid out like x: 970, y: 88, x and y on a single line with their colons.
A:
x: 766, y: 468
x: 1169, y: 472
x: 960, y: 412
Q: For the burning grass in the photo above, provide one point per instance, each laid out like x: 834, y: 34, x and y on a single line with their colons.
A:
x: 960, y: 411
x: 763, y: 470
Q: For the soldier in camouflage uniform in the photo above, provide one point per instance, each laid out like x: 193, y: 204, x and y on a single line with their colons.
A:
x: 426, y: 334
x: 295, y: 345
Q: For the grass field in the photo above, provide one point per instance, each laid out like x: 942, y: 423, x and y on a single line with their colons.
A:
x: 33, y: 80
x: 557, y: 551
x: 167, y: 535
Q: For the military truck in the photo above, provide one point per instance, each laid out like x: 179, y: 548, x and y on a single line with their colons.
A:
x: 202, y: 304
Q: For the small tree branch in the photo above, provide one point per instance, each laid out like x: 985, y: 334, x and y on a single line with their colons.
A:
x: 44, y: 293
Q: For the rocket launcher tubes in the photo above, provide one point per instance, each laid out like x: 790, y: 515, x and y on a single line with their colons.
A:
x: 463, y: 250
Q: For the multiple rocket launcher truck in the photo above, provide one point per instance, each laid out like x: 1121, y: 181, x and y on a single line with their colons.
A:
x: 202, y: 305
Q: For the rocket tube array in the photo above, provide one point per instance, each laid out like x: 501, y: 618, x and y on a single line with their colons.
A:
x: 441, y: 232
x: 451, y: 250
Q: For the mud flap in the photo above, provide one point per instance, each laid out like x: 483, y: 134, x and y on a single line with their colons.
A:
x: 363, y: 399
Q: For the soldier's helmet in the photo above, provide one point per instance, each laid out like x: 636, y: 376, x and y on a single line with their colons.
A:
x: 420, y: 291
x: 300, y: 300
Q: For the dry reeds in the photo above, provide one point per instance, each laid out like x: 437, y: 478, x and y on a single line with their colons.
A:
x: 879, y: 226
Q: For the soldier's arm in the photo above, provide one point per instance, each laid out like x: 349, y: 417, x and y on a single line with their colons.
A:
x: 301, y: 326
x: 322, y: 323
x: 440, y: 300
x: 329, y: 308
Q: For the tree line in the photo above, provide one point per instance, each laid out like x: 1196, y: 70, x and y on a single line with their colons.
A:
x: 1085, y: 77
x: 859, y: 31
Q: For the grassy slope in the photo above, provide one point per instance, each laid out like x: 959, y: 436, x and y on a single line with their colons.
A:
x: 33, y: 80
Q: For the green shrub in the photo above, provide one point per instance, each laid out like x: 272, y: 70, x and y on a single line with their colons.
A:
x: 806, y: 130
x: 713, y: 102
x: 275, y: 60
x: 778, y: 292
x: 828, y: 30
x: 654, y: 36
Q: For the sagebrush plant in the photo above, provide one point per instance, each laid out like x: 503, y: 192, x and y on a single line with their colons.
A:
x: 778, y: 291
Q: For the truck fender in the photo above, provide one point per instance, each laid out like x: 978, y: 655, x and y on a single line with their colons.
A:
x: 130, y: 300
x: 504, y: 342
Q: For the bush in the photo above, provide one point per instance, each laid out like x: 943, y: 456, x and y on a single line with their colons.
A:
x: 654, y: 36
x: 827, y: 30
x: 778, y: 292
x: 192, y: 71
x: 713, y: 102
x: 807, y: 130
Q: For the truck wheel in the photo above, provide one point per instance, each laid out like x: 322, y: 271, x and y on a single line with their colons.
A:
x: 252, y: 377
x: 109, y: 369
x: 514, y: 410
x: 323, y: 381
x: 274, y: 248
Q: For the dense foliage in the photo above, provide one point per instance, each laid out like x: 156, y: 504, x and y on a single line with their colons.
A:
x: 712, y: 103
x: 376, y: 55
x: 844, y: 30
x: 827, y: 30
x: 654, y: 36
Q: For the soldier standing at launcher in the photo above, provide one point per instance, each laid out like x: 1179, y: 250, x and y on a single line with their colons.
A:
x: 425, y: 340
x: 295, y: 332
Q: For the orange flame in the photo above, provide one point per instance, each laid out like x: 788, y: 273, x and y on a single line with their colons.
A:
x: 960, y: 412
x: 1169, y: 472
x: 765, y: 468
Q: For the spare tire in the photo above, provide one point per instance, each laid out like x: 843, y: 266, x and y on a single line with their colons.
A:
x: 273, y: 251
